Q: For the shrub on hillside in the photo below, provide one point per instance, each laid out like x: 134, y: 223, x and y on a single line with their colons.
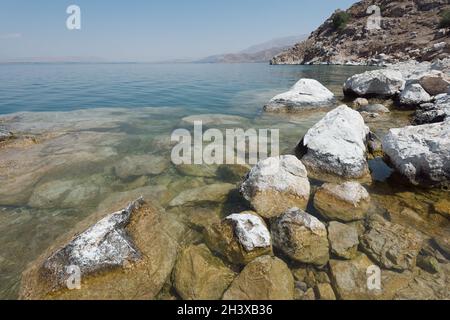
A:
x: 445, y: 19
x: 340, y: 20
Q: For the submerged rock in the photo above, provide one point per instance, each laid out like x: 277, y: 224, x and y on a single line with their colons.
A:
x: 414, y: 95
x: 213, y: 193
x: 199, y: 275
x: 337, y: 145
x: 213, y: 119
x: 382, y: 83
x: 265, y: 278
x: 421, y: 153
x: 140, y: 165
x: 343, y: 240
x: 350, y: 280
x: 324, y: 291
x: 393, y: 246
x: 374, y: 108
x: 345, y: 202
x: 240, y: 237
x: 305, y: 94
x: 275, y: 185
x: 301, y: 236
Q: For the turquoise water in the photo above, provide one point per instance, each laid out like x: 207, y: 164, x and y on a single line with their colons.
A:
x: 225, y: 88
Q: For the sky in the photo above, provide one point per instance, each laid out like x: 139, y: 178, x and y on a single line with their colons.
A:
x: 151, y: 30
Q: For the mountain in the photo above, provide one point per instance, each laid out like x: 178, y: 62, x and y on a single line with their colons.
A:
x: 409, y: 29
x: 258, y: 53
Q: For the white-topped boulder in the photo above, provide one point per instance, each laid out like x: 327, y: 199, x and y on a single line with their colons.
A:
x: 250, y: 231
x: 277, y: 184
x: 414, y: 95
x: 421, y: 153
x: 384, y: 83
x: 337, y: 144
x: 306, y: 93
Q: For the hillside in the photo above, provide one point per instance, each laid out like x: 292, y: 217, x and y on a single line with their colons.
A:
x: 262, y: 52
x: 410, y: 29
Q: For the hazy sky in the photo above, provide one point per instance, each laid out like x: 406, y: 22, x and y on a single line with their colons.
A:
x: 149, y: 30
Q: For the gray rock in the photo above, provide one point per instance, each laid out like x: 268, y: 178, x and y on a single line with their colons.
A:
x: 420, y: 153
x: 374, y: 108
x: 102, y: 246
x: 393, y: 246
x: 360, y: 103
x: 277, y: 184
x: 301, y: 236
x: 434, y: 84
x: 433, y: 112
x: 383, y: 83
x: 343, y: 240
x: 414, y: 95
x: 306, y: 93
x: 337, y: 144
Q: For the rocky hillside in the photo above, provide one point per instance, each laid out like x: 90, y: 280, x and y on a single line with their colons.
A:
x: 410, y: 29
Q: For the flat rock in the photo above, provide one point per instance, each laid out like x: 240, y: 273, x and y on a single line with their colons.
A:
x: 265, y: 278
x: 393, y: 246
x: 306, y: 93
x: 382, y: 83
x: 345, y: 202
x: 240, y: 238
x: 301, y: 236
x: 421, y: 153
x: 140, y: 165
x: 337, y: 144
x: 199, y: 275
x: 213, y: 193
x: 275, y: 185
x: 344, y: 240
x: 374, y: 108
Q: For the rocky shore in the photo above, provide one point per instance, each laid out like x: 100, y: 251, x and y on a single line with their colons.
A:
x: 304, y: 226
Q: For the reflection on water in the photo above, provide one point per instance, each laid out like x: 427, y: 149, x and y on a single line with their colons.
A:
x: 46, y: 188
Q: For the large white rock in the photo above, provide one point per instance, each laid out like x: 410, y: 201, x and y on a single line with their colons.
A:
x: 337, y: 144
x: 277, y: 184
x: 306, y: 93
x: 421, y: 153
x: 102, y: 246
x: 414, y: 95
x: 385, y: 83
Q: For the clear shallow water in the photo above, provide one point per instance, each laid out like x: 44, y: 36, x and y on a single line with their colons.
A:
x: 100, y: 113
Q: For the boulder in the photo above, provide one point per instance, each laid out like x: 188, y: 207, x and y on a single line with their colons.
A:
x: 345, y: 202
x: 240, y: 238
x: 275, y: 185
x: 301, y: 237
x: 360, y: 103
x: 421, y: 153
x: 344, y: 240
x: 125, y: 255
x: 306, y: 93
x: 213, y: 193
x: 324, y: 291
x: 337, y: 145
x: 393, y: 246
x: 140, y: 165
x: 382, y: 83
x: 199, y: 275
x: 265, y: 278
x: 349, y: 278
x: 432, y: 113
x: 414, y: 95
x: 434, y: 84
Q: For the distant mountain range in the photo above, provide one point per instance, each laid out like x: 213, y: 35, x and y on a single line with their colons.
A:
x: 262, y: 52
